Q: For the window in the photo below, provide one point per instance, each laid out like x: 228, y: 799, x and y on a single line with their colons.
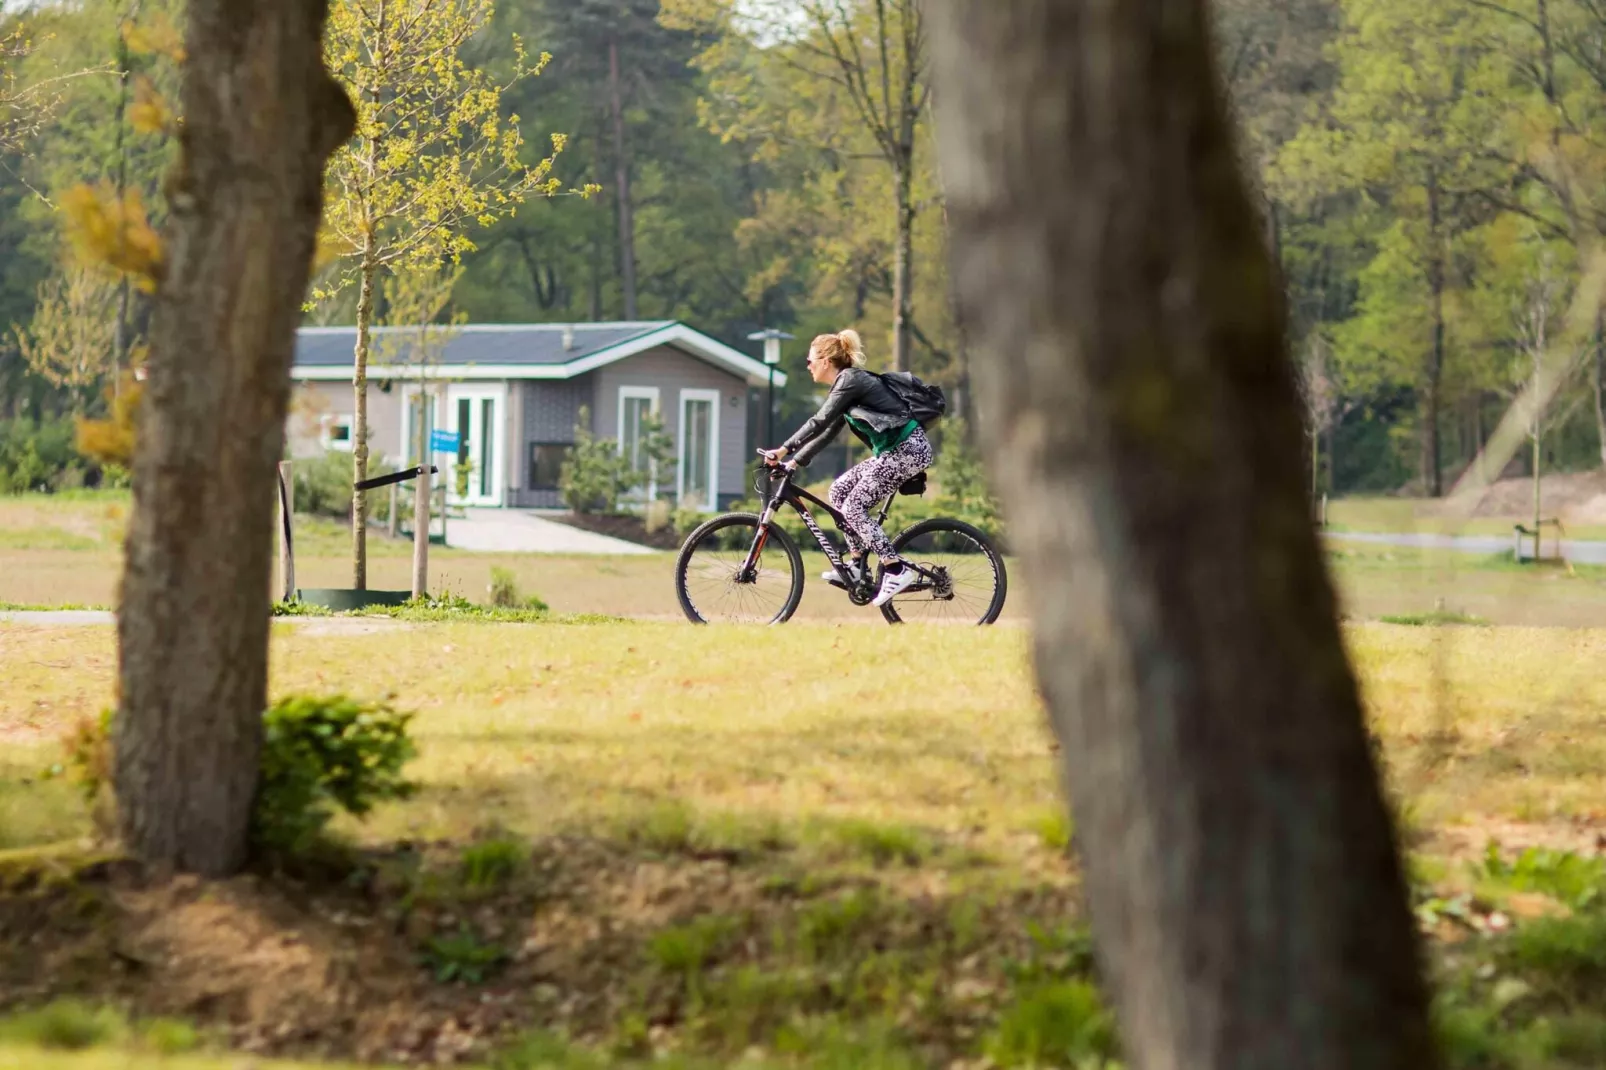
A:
x: 637, y: 404
x: 546, y: 464
x: 334, y: 433
x: 699, y: 449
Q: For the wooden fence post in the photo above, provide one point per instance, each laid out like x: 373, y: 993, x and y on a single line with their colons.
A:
x: 421, y: 531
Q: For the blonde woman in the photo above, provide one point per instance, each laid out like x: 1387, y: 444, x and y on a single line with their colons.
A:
x: 899, y: 451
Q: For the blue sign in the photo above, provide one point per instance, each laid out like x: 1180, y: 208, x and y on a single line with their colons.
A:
x: 443, y: 442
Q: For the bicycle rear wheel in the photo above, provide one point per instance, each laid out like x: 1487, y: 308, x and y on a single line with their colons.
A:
x: 709, y: 573
x: 970, y: 583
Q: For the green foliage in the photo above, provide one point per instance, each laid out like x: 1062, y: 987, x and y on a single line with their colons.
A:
x: 65, y: 1024
x: 1434, y: 618
x: 963, y: 491
x: 879, y: 843
x: 168, y: 1036
x: 320, y: 754
x: 492, y: 863
x: 1057, y: 1023
x: 1054, y: 828
x: 684, y: 950
x: 1570, y: 878
x: 829, y: 928
x: 323, y: 484
x: 1566, y: 951
x: 38, y: 456
x: 505, y: 593
x: 594, y: 476
x: 464, y: 958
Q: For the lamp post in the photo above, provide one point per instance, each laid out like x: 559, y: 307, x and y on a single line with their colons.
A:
x: 772, y: 356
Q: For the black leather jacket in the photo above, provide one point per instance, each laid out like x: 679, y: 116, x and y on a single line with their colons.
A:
x: 855, y: 393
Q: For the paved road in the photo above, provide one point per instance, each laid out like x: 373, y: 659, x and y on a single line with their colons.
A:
x: 517, y: 531
x: 1579, y: 551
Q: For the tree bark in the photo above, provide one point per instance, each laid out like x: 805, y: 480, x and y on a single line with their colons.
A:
x: 359, y: 418
x: 1597, y: 382
x: 1432, y: 462
x: 1142, y: 423
x: 902, y: 265
x: 621, y: 179
x: 261, y: 116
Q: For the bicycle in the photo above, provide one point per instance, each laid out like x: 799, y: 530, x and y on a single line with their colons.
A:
x: 745, y: 568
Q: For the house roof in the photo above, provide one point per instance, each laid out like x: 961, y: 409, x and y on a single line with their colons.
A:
x: 514, y: 351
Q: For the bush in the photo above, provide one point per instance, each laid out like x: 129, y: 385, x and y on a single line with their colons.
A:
x: 320, y: 753
x: 505, y: 593
x: 595, y: 477
x: 38, y: 456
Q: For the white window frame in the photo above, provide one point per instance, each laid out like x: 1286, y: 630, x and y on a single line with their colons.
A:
x: 713, y: 398
x: 637, y: 393
x: 326, y: 426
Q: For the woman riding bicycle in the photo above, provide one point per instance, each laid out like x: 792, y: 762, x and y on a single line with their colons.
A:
x: 899, y: 451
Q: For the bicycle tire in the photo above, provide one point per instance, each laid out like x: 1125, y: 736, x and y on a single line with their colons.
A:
x: 776, y: 538
x: 976, y: 536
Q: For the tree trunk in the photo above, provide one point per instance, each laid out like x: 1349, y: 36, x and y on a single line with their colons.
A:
x: 1432, y: 463
x: 902, y: 266
x: 359, y: 417
x: 1142, y: 423
x: 1597, y: 381
x: 261, y: 116
x: 621, y: 179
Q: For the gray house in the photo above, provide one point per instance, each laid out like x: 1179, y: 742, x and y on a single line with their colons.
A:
x: 514, y: 393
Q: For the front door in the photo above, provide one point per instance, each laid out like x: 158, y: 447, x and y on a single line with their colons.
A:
x: 474, y: 475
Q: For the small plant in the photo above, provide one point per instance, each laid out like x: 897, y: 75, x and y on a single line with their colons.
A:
x: 300, y: 609
x: 594, y: 476
x: 829, y: 927
x: 1060, y: 1023
x: 882, y: 844
x: 463, y: 958
x: 1569, y: 878
x: 64, y: 1025
x: 88, y: 759
x: 323, y: 753
x: 668, y: 827
x: 505, y: 593
x: 168, y: 1036
x: 491, y: 863
x: 686, y: 949
x: 1054, y: 829
x: 1435, y: 618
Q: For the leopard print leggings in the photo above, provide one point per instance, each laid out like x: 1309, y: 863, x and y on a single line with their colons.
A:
x: 864, y: 485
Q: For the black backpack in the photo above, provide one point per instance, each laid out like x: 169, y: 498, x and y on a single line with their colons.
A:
x: 927, y: 403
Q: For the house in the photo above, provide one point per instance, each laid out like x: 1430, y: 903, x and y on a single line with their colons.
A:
x: 515, y: 392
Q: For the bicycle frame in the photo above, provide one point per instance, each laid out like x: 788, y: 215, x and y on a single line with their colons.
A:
x: 786, y: 492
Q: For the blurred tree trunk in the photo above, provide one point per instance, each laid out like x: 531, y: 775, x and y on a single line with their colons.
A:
x: 261, y: 116
x: 1143, y: 426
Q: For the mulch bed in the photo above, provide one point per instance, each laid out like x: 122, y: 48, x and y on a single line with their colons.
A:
x: 623, y: 526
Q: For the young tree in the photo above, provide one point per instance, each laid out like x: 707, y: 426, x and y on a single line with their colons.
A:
x: 432, y: 157
x: 870, y: 58
x: 261, y: 117
x: 1406, y: 129
x: 71, y: 339
x: 1140, y: 415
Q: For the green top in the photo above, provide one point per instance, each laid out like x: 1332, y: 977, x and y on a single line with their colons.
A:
x: 884, y: 441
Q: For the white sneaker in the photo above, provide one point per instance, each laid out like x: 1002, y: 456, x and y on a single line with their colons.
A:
x: 854, y: 570
x: 894, y: 584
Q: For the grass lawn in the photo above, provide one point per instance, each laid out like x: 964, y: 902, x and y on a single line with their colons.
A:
x: 834, y: 844
x: 704, y: 841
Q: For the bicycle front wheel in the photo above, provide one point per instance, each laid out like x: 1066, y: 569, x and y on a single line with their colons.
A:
x: 716, y: 587
x: 963, y: 579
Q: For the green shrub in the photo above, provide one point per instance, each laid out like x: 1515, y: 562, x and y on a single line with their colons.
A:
x: 323, y: 484
x: 320, y: 753
x: 491, y: 863
x: 168, y: 1036
x: 38, y: 456
x: 464, y: 957
x: 66, y: 1024
x: 1565, y: 876
x: 505, y: 593
x: 1060, y: 1023
x: 594, y: 477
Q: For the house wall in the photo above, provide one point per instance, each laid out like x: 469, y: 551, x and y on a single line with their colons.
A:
x: 311, y: 402
x: 671, y: 371
x: 548, y: 410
